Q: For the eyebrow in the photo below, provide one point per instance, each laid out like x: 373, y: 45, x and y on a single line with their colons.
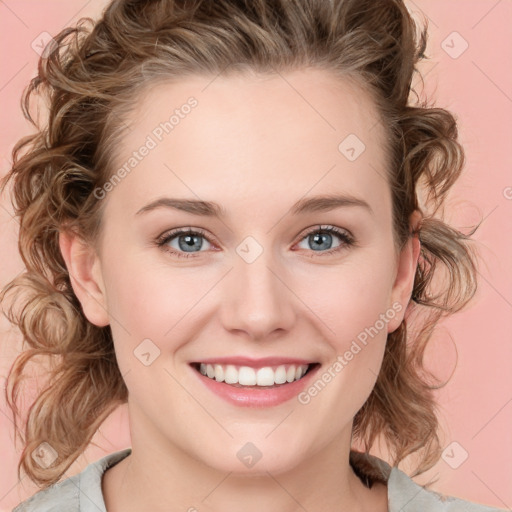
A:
x: 211, y: 209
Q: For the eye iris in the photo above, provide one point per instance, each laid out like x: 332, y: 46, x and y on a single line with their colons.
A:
x: 191, y: 242
x: 322, y: 236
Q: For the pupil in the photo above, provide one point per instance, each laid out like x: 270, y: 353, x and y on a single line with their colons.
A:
x: 190, y: 241
x: 318, y: 238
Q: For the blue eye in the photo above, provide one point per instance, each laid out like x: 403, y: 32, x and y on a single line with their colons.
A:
x: 322, y: 238
x: 187, y: 239
x: 190, y: 241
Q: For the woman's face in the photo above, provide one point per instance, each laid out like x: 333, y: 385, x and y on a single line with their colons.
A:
x: 258, y: 289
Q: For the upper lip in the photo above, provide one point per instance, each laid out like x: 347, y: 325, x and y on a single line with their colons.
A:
x: 254, y: 363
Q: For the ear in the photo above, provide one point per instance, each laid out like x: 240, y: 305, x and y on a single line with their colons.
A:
x: 406, y: 271
x: 84, y: 269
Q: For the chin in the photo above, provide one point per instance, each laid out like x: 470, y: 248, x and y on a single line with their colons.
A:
x: 254, y: 458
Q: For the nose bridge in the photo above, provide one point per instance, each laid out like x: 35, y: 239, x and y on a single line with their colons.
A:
x: 256, y: 300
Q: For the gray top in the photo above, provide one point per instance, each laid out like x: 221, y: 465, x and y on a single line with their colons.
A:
x: 82, y: 492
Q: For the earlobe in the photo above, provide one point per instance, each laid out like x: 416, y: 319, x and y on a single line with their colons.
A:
x: 406, y: 272
x: 85, y: 275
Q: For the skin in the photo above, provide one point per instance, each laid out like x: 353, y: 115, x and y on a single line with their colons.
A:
x: 255, y: 146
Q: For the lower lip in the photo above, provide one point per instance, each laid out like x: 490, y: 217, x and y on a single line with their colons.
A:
x: 254, y: 396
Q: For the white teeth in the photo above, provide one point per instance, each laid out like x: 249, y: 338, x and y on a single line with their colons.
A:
x: 210, y: 371
x: 231, y: 374
x: 219, y: 373
x: 280, y: 375
x: 265, y: 377
x: 247, y: 376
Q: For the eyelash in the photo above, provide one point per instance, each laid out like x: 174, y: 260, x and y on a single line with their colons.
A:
x: 347, y: 240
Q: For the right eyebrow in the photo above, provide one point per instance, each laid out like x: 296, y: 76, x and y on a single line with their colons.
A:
x: 193, y: 206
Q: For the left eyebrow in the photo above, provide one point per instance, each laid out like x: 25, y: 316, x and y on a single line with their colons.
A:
x: 303, y: 206
x: 328, y: 202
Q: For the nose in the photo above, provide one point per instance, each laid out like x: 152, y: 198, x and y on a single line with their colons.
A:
x: 256, y: 299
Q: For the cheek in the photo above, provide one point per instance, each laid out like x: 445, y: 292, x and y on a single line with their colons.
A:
x: 150, y: 309
x: 355, y: 312
x: 148, y: 300
x: 149, y: 295
x: 351, y: 298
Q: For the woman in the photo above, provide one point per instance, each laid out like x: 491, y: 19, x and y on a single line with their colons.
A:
x: 221, y: 227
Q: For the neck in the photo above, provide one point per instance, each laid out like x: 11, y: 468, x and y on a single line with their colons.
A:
x: 158, y: 475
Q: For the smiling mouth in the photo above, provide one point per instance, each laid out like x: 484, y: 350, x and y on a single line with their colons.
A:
x: 248, y: 377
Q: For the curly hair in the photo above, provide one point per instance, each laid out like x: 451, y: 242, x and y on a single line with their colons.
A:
x: 91, y: 75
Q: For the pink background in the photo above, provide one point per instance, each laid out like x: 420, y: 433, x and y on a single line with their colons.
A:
x: 476, y: 405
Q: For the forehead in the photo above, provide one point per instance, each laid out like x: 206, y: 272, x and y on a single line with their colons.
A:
x: 254, y: 135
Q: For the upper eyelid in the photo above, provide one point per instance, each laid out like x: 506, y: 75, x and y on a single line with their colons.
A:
x: 324, y: 227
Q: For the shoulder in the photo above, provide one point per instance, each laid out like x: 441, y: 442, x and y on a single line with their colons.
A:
x: 81, y: 492
x: 405, y: 495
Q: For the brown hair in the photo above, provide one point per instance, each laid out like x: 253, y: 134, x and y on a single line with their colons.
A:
x: 91, y: 77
